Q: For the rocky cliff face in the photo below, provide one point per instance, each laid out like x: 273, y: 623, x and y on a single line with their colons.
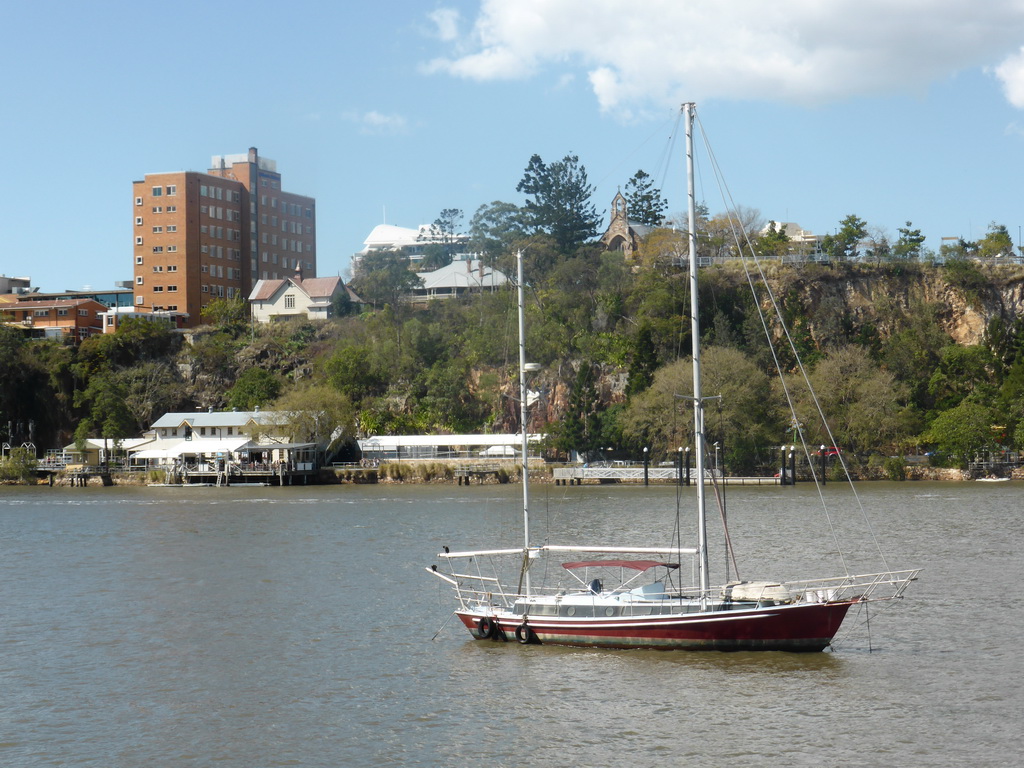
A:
x: 885, y: 298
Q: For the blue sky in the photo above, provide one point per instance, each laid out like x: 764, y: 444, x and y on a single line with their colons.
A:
x: 398, y: 109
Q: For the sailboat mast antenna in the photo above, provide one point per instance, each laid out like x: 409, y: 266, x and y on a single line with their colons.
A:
x: 698, y: 402
x: 522, y: 422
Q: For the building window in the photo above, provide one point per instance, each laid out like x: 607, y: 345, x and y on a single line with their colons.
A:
x: 158, y: 249
x: 172, y: 228
x: 157, y: 209
x: 83, y: 313
x: 157, y: 230
x: 172, y: 289
x: 40, y: 313
x: 138, y: 201
x: 172, y: 208
x: 62, y: 313
x: 289, y: 301
x: 138, y: 240
x: 138, y: 280
x: 206, y: 289
x: 172, y: 268
x: 158, y: 289
x: 158, y: 269
x: 172, y: 190
x: 202, y: 190
x: 158, y: 191
x: 138, y: 221
x: 138, y: 299
x: 172, y: 248
x: 138, y: 259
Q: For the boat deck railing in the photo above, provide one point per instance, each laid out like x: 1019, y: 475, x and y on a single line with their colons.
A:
x: 888, y: 585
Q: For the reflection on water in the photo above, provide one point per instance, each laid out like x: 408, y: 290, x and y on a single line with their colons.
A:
x: 292, y: 626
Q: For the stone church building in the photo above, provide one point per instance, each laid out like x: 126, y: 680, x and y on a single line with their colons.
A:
x: 622, y: 234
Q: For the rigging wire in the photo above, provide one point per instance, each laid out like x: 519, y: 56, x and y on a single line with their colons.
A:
x: 744, y: 245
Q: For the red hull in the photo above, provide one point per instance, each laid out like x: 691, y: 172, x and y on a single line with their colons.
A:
x: 802, y: 627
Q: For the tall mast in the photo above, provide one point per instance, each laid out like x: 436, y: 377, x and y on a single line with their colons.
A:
x: 522, y: 422
x: 698, y: 402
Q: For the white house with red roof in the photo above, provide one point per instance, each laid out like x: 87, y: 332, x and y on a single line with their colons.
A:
x: 312, y: 297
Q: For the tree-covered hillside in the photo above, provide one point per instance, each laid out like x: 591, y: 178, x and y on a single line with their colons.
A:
x: 907, y: 349
x: 902, y: 359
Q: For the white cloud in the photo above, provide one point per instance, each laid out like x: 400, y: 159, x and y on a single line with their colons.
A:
x: 1011, y: 73
x: 660, y: 52
x: 446, y: 23
x: 378, y: 123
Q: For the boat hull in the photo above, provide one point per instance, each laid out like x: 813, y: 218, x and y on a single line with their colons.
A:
x: 807, y: 627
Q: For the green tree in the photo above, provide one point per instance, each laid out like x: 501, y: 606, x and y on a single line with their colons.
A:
x: 448, y: 398
x: 316, y: 413
x: 442, y: 240
x: 104, y: 402
x: 962, y: 432
x: 743, y: 420
x: 962, y: 372
x: 342, y: 304
x: 912, y: 351
x: 773, y: 241
x: 494, y: 229
x: 18, y: 467
x: 353, y: 372
x: 559, y: 201
x: 845, y: 244
x: 644, y: 203
x: 229, y: 315
x: 384, y: 278
x: 579, y: 429
x: 863, y: 403
x: 996, y: 243
x: 25, y: 392
x: 151, y: 389
x: 909, y: 244
x: 643, y: 361
x: 254, y: 388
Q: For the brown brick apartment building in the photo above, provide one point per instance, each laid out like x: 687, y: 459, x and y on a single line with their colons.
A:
x: 205, y: 236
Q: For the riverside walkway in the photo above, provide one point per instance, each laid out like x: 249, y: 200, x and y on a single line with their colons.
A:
x: 634, y: 474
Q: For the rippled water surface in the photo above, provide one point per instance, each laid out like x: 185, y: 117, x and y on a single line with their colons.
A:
x: 273, y: 627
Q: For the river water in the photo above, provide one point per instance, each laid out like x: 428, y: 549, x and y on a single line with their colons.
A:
x: 256, y: 627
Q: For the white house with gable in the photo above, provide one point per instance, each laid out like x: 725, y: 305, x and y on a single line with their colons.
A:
x: 293, y: 296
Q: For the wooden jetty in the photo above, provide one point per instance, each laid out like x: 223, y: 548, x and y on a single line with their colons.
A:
x: 465, y: 473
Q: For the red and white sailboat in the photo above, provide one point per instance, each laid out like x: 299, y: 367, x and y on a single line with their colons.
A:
x: 637, y: 599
